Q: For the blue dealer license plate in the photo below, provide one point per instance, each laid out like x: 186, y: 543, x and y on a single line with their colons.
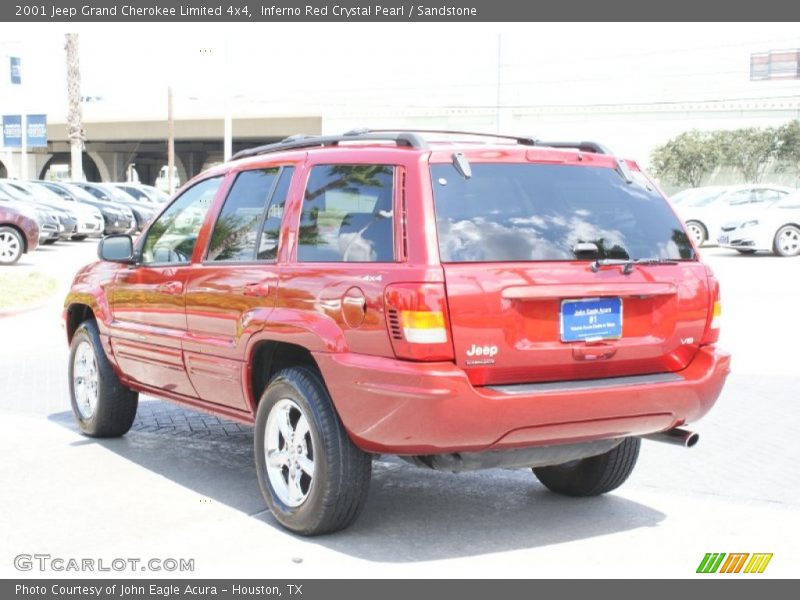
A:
x: 591, y: 319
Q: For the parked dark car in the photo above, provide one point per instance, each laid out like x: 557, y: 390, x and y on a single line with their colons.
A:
x: 49, y: 219
x: 143, y: 212
x: 68, y: 219
x: 19, y: 230
x: 142, y: 192
x: 116, y: 218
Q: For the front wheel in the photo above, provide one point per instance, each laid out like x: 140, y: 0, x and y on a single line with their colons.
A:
x: 787, y: 241
x: 313, y: 478
x: 102, y: 406
x: 11, y: 246
x: 594, y: 475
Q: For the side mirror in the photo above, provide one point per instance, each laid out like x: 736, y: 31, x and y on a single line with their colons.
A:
x: 116, y: 248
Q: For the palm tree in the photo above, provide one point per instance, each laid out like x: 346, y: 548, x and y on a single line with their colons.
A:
x: 74, y: 116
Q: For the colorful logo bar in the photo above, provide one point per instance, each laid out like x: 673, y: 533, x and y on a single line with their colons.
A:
x: 734, y: 563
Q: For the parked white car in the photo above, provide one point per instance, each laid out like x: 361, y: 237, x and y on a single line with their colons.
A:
x: 704, y: 217
x: 690, y: 195
x: 776, y: 228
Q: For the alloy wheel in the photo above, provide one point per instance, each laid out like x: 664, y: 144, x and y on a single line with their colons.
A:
x: 289, y: 450
x: 10, y: 247
x: 789, y: 241
x: 85, y: 380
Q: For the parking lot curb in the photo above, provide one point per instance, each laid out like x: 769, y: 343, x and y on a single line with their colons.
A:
x: 13, y: 312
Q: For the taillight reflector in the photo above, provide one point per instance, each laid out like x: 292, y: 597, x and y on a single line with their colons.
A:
x: 418, y: 322
x: 715, y: 315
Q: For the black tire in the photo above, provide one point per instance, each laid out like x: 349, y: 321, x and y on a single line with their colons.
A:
x: 594, y: 475
x: 13, y: 245
x: 338, y: 491
x: 745, y: 252
x: 115, y: 408
x: 698, y: 232
x: 787, y: 247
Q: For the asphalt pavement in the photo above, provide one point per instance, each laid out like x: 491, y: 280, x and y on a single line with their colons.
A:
x: 182, y: 484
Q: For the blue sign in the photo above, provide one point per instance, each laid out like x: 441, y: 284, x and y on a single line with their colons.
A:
x: 36, y: 126
x: 16, y: 74
x: 591, y: 319
x: 12, y: 131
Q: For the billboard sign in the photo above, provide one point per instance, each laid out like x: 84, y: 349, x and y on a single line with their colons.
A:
x: 36, y: 126
x: 16, y: 74
x: 12, y: 131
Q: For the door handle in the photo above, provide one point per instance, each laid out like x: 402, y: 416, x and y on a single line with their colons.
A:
x: 258, y: 290
x: 171, y: 287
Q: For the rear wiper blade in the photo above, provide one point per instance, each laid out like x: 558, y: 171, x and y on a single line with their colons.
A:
x: 628, y: 264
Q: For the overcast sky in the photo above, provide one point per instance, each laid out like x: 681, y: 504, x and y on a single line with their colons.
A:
x: 309, y: 68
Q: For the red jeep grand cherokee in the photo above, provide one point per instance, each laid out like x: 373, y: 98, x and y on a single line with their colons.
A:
x: 463, y: 305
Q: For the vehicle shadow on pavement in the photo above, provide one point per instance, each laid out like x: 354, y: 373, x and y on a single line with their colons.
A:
x: 412, y: 514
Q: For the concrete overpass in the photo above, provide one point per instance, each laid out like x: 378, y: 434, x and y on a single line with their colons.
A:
x: 112, y: 146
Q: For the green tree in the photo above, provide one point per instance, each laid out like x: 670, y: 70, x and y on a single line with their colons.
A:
x: 686, y: 159
x: 750, y: 150
x: 789, y: 152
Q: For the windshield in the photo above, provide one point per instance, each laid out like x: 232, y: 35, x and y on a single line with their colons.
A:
x: 706, y: 200
x: 524, y: 212
x: 44, y: 193
x: 79, y: 193
x: 117, y: 194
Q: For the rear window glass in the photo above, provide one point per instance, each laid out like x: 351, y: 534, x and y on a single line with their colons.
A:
x: 347, y: 215
x: 524, y: 212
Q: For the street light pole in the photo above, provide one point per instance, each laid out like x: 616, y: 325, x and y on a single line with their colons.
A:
x: 170, y: 143
x: 23, y: 165
x: 227, y: 146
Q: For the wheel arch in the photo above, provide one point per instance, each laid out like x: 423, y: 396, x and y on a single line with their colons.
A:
x: 75, y: 314
x: 699, y: 222
x: 267, y: 357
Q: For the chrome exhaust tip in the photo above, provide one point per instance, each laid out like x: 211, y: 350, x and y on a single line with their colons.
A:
x: 677, y: 437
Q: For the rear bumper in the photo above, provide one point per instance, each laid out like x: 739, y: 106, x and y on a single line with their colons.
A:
x: 400, y: 407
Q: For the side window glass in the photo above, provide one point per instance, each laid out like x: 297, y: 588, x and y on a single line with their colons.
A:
x: 768, y: 195
x: 347, y: 215
x: 236, y: 229
x: 740, y: 197
x: 271, y: 230
x: 172, y: 237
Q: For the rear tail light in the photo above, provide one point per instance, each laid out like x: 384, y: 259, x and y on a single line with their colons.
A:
x: 715, y: 314
x: 418, y: 322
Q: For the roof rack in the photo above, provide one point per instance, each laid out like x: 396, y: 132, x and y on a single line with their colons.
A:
x: 582, y: 146
x: 294, y: 142
x: 524, y: 140
x: 411, y: 138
